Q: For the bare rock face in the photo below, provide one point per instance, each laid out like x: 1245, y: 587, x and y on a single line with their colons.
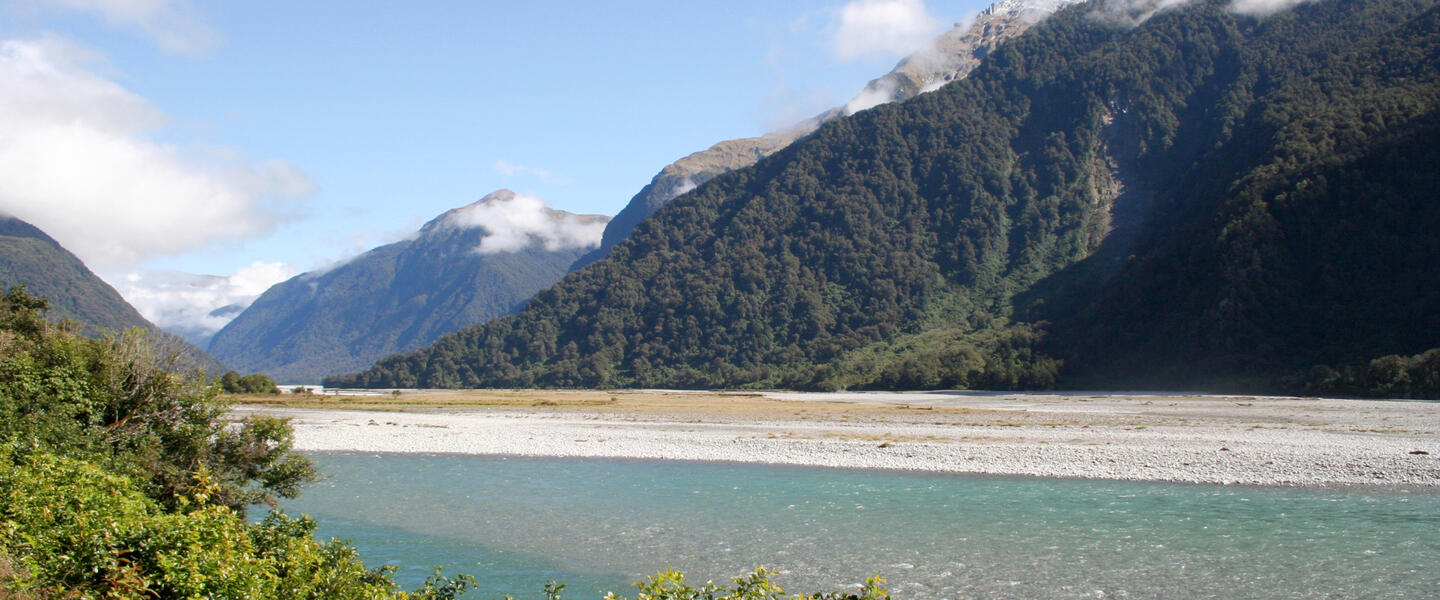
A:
x: 953, y: 55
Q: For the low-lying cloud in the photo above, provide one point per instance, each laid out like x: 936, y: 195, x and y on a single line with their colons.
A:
x: 78, y: 161
x: 1135, y: 12
x: 1261, y: 8
x: 878, y: 92
x: 196, y: 306
x: 1132, y: 12
x: 883, y: 27
x: 512, y: 222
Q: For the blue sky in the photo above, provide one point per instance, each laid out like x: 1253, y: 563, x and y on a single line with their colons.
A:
x: 257, y: 139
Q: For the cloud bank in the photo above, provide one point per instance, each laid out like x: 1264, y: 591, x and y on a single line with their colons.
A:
x: 1261, y: 8
x: 1135, y: 12
x: 878, y: 92
x: 883, y: 27
x: 196, y: 306
x: 77, y: 160
x: 514, y: 221
x: 1132, y: 12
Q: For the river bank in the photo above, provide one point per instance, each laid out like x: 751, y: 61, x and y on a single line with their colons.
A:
x: 1144, y: 437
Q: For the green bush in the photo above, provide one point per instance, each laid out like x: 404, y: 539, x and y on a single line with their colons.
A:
x: 117, y: 401
x: 94, y: 534
x: 122, y: 479
x: 756, y: 585
x: 254, y: 383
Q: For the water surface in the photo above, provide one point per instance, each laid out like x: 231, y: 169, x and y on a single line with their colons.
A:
x: 598, y: 525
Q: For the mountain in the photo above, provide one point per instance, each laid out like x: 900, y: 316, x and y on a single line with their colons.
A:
x: 952, y: 56
x: 1202, y: 199
x: 454, y: 273
x: 196, y: 306
x: 30, y: 257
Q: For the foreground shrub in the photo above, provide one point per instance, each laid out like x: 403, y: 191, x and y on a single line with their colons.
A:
x: 756, y: 585
x: 93, y: 534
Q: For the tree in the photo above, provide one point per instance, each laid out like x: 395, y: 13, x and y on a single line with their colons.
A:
x: 121, y: 478
x: 254, y: 383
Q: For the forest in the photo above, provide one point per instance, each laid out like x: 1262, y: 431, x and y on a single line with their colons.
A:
x: 1205, y: 200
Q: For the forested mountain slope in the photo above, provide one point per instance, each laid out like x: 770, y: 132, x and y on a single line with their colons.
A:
x: 1201, y: 199
x: 952, y: 56
x: 397, y: 297
x: 1307, y: 232
x: 30, y: 257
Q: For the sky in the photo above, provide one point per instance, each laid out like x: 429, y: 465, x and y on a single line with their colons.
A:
x: 250, y: 141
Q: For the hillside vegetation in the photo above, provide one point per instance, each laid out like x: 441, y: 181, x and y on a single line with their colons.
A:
x: 1205, y: 199
x: 31, y: 258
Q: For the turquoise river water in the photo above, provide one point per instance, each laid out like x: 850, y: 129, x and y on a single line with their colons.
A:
x: 598, y: 525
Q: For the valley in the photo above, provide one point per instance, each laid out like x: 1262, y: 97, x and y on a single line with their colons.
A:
x: 1079, y: 299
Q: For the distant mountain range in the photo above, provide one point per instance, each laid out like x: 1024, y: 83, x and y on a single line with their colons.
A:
x: 30, y: 257
x: 1188, y: 197
x: 454, y: 273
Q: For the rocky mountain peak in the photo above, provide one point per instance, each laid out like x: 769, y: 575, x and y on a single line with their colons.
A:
x: 453, y: 216
x: 506, y: 205
x: 955, y: 53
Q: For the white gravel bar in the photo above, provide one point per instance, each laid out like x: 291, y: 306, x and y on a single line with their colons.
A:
x: 1154, y: 437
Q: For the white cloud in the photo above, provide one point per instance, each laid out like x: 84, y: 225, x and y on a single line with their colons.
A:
x: 174, y: 25
x: 685, y: 186
x: 876, y: 93
x: 883, y: 27
x: 1135, y: 12
x: 514, y: 221
x: 76, y: 160
x: 1261, y: 8
x: 197, y: 306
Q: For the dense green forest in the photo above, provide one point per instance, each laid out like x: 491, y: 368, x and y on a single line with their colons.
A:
x: 1203, y: 200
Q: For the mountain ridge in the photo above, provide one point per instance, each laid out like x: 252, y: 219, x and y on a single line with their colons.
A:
x: 29, y: 256
x: 402, y: 295
x: 959, y: 239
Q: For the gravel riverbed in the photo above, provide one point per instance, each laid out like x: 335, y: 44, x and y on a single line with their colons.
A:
x: 1156, y: 437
